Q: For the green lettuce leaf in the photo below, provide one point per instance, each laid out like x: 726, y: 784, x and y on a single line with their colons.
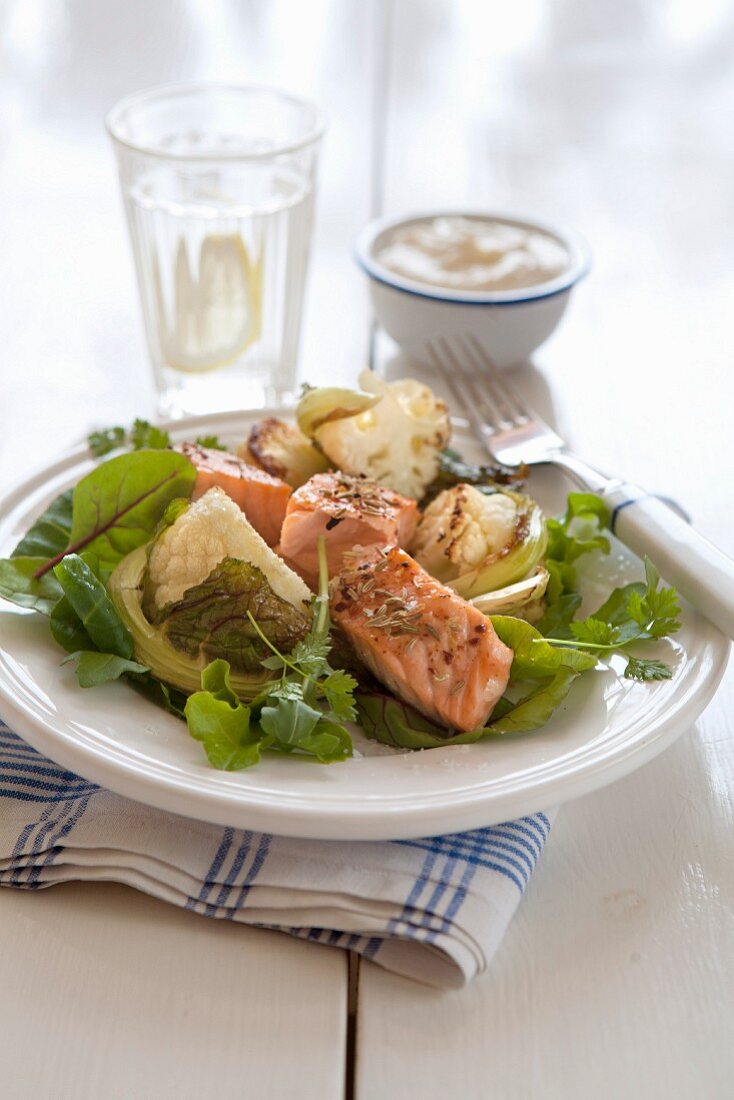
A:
x: 577, y: 533
x: 223, y: 728
x: 211, y: 619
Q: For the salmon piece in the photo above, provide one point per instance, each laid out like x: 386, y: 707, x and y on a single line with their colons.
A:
x: 349, y: 511
x: 262, y: 497
x: 427, y: 645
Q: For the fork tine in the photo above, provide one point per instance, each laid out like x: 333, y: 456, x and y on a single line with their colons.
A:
x: 487, y: 415
x: 482, y: 396
x: 508, y: 396
x: 491, y: 401
x: 439, y: 355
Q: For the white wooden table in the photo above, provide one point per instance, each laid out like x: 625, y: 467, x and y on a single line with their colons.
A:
x: 617, y: 975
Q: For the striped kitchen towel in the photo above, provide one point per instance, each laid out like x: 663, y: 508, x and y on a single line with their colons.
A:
x: 434, y: 910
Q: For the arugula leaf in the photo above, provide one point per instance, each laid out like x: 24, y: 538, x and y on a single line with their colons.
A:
x: 21, y: 584
x: 51, y: 531
x: 141, y: 434
x: 95, y: 611
x: 117, y: 506
x: 289, y: 722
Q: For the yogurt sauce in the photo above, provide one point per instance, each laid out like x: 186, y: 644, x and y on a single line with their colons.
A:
x: 473, y: 253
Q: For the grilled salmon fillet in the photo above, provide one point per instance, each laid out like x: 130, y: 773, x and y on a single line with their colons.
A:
x: 262, y: 497
x: 349, y: 511
x: 427, y: 645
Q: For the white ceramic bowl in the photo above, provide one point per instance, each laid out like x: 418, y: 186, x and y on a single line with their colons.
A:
x: 509, y: 324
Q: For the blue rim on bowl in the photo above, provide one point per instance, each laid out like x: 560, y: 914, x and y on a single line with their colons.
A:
x: 578, y: 250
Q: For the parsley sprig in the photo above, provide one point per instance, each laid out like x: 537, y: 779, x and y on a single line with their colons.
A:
x: 634, y: 613
x: 141, y: 435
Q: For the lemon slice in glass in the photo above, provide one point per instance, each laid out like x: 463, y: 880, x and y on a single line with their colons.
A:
x: 217, y: 312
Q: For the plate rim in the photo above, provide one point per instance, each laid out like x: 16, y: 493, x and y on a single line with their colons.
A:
x: 395, y: 817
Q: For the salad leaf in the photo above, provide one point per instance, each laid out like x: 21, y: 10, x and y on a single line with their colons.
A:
x: 94, y: 668
x: 141, y: 434
x: 633, y: 613
x: 289, y: 721
x: 21, y: 584
x: 50, y: 533
x: 117, y: 506
x: 105, y: 440
x: 647, y: 670
x: 535, y: 658
x: 223, y: 727
x: 87, y: 597
x: 67, y: 629
x: 212, y: 618
x: 577, y: 533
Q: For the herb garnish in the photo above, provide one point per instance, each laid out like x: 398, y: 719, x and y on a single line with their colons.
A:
x: 633, y: 613
x: 141, y: 436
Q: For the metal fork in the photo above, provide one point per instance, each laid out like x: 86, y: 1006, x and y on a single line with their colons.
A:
x: 512, y: 434
x: 501, y: 421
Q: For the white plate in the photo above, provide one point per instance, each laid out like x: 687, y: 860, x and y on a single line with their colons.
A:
x: 608, y: 726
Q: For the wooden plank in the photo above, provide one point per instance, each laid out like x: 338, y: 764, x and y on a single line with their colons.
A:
x: 110, y: 993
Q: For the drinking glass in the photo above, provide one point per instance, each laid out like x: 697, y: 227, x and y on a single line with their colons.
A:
x: 218, y: 184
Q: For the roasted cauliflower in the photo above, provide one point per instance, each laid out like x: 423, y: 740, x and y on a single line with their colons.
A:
x: 284, y: 451
x: 396, y: 442
x: 477, y: 542
x: 203, y: 535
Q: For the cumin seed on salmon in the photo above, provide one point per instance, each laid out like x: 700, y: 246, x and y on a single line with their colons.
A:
x: 432, y: 649
x: 348, y: 511
x: 262, y: 497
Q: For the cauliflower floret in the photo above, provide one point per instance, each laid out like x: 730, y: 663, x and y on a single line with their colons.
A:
x: 211, y: 529
x: 461, y: 528
x: 282, y: 450
x: 396, y: 442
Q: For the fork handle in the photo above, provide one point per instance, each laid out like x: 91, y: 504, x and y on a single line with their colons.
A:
x: 698, y: 569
